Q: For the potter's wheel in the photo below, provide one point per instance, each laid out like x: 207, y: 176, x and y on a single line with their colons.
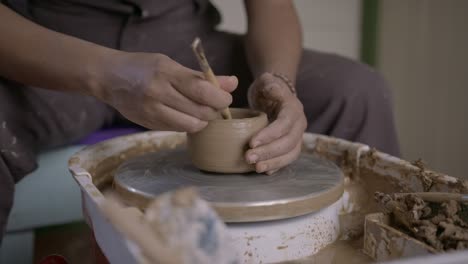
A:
x: 307, y: 185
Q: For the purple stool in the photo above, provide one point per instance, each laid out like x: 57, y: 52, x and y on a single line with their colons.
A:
x: 108, y: 133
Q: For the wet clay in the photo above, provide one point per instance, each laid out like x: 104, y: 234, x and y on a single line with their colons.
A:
x: 221, y: 145
x: 359, y: 193
x: 442, y: 226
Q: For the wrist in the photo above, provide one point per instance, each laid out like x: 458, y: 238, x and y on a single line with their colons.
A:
x: 285, y: 79
x: 98, y: 76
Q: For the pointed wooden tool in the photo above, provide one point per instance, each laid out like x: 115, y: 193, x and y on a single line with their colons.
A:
x: 209, y: 75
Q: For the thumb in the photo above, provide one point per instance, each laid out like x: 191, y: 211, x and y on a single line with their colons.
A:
x: 270, y: 87
x: 228, y: 83
x: 273, y: 91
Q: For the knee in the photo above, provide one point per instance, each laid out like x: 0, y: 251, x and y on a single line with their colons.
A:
x: 361, y: 83
x: 339, y: 79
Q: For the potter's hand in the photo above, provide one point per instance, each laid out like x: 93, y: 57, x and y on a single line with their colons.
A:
x: 156, y: 92
x: 280, y: 143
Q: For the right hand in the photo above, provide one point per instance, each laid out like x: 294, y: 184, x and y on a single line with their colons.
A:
x: 156, y: 92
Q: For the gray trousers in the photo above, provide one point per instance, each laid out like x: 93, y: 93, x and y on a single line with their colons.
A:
x: 341, y: 97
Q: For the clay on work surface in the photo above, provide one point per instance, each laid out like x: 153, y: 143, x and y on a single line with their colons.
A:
x: 221, y: 145
x: 442, y: 226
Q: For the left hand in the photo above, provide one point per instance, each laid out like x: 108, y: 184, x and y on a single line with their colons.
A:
x: 280, y: 142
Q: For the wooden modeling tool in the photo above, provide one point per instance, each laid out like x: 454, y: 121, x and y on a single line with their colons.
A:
x: 438, y: 196
x: 209, y: 75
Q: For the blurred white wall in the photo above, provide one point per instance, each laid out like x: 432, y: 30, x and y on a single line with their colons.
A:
x: 328, y: 25
x: 424, y: 56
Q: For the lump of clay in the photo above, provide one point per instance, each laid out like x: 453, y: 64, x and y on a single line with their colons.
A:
x: 188, y: 224
x: 441, y: 226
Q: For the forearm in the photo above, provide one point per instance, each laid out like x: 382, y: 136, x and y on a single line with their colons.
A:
x: 33, y: 55
x: 274, y: 37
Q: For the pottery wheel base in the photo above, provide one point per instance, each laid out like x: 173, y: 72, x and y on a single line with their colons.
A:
x: 307, y: 185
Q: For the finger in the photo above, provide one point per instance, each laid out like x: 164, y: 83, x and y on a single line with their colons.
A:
x: 203, y: 92
x: 279, y: 162
x: 277, y: 147
x: 146, y: 120
x: 228, y: 83
x: 174, y: 99
x: 156, y: 125
x: 178, y: 121
x: 271, y: 172
x: 280, y: 127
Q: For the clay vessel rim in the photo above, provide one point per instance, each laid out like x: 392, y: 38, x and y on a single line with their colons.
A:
x: 256, y: 115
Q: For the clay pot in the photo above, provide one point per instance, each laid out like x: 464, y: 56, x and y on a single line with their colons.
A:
x: 221, y: 145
